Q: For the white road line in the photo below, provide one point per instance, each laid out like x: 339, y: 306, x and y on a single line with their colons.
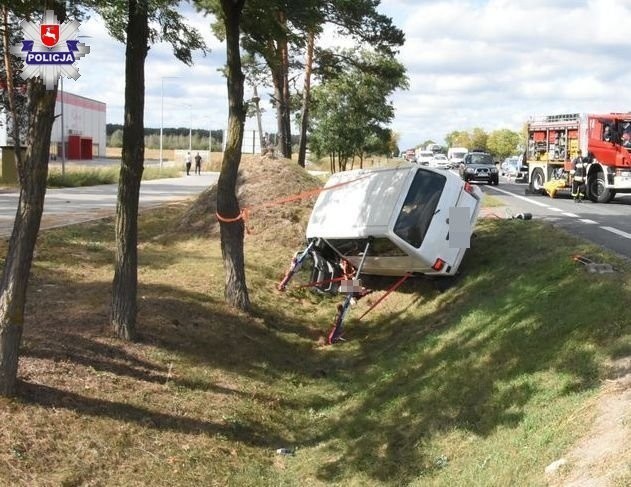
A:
x: 617, y: 232
x: 588, y: 221
x: 521, y: 197
x: 556, y: 209
x: 573, y: 215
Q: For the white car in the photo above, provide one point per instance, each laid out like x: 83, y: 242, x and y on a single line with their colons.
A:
x: 439, y: 161
x: 511, y: 166
x: 423, y: 157
x: 413, y: 219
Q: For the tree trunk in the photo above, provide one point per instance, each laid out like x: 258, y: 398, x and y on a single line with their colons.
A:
x: 33, y: 174
x: 125, y: 284
x: 286, y: 106
x: 9, y: 73
x: 304, y: 119
x: 281, y: 95
x: 278, y: 98
x: 236, y: 291
x: 279, y: 68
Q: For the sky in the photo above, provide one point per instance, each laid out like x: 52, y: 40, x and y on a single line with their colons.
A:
x: 489, y: 64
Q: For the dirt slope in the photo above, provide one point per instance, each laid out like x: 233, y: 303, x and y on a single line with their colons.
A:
x: 262, y: 183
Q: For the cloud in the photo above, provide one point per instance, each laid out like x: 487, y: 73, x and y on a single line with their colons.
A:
x: 495, y: 63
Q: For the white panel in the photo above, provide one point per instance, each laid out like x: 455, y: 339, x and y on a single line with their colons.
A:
x: 362, y: 206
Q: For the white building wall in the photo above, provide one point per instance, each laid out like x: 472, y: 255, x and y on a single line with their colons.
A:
x: 81, y: 116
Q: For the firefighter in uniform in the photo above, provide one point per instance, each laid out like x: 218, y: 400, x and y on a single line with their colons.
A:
x: 578, y: 178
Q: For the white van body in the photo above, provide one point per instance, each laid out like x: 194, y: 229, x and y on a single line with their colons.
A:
x: 403, y: 211
x: 457, y: 154
x: 424, y: 156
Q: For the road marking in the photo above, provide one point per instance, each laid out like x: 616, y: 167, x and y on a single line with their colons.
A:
x: 521, y: 197
x: 573, y: 215
x: 588, y: 221
x: 556, y: 209
x: 617, y: 232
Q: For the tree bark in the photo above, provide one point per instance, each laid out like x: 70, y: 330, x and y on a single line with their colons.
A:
x: 232, y: 233
x: 279, y: 68
x: 33, y: 173
x: 13, y: 110
x: 286, y: 105
x: 304, y: 119
x: 125, y: 283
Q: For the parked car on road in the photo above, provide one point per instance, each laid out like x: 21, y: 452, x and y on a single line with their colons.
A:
x: 479, y: 166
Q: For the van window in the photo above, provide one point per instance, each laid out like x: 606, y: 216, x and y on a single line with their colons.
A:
x: 419, y: 207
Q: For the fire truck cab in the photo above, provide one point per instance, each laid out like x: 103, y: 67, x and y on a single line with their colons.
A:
x: 604, y: 142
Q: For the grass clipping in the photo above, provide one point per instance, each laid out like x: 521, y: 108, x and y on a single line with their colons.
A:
x: 261, y: 182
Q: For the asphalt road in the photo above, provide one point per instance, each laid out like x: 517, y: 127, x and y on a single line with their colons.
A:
x: 67, y: 206
x: 607, y: 225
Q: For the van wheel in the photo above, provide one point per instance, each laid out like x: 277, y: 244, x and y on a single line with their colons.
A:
x: 537, y: 181
x: 597, y: 190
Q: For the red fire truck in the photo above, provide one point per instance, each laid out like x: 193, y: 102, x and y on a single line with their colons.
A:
x: 604, y: 141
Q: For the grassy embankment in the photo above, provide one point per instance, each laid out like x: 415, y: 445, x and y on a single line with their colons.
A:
x: 484, y: 383
x: 75, y: 177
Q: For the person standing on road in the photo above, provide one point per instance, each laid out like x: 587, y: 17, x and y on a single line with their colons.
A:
x: 578, y: 178
x: 187, y: 159
x: 198, y: 164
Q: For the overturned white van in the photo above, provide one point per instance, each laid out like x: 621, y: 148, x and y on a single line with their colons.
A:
x: 392, y: 222
x: 417, y: 220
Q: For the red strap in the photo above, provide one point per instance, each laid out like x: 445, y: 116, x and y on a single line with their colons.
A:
x: 305, y: 194
x: 390, y: 290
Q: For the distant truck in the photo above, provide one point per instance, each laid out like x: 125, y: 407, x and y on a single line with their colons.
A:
x: 603, y: 140
x: 435, y: 148
x: 410, y: 155
x: 456, y: 154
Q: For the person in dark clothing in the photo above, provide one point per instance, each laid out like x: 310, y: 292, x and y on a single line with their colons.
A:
x: 578, y: 178
x: 198, y: 164
x: 188, y: 161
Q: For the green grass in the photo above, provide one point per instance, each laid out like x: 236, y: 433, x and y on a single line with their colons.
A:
x: 484, y: 382
x: 490, y: 201
x: 76, y: 177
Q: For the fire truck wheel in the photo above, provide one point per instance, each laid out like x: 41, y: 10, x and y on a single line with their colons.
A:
x: 537, y: 180
x: 598, y: 193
